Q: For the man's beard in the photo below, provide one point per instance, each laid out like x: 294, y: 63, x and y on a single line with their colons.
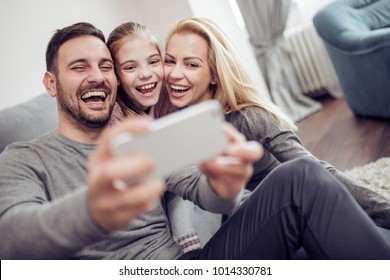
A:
x: 76, y: 115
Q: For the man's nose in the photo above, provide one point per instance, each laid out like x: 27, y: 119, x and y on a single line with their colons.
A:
x: 95, y: 75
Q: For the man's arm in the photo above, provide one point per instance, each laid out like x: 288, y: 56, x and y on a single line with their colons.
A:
x: 53, y: 230
x: 113, y: 204
x: 42, y: 220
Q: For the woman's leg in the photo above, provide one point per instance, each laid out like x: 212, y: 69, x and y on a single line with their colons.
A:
x: 299, y: 204
x: 301, y: 254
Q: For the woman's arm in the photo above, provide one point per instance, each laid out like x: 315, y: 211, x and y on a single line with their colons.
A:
x: 285, y: 145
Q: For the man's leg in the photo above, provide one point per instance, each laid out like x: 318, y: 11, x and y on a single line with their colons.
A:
x: 299, y: 204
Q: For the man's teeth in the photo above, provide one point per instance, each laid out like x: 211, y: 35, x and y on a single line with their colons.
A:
x: 179, y: 88
x: 101, y: 94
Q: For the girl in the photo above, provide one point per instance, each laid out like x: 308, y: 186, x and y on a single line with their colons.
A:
x: 139, y: 69
x: 200, y: 63
x: 140, y: 72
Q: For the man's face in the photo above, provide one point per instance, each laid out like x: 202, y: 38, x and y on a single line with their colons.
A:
x: 86, y: 83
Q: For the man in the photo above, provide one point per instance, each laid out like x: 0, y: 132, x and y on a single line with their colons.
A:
x: 62, y: 194
x: 46, y: 209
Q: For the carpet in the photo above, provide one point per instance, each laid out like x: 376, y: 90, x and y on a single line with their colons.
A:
x: 374, y: 175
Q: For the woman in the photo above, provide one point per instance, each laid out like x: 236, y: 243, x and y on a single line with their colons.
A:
x: 248, y: 233
x: 200, y: 63
x: 140, y: 71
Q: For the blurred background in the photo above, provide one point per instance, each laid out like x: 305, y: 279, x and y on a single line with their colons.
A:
x: 26, y: 27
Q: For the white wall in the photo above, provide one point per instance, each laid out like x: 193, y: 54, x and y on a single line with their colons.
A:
x: 162, y: 14
x: 221, y: 12
x: 26, y: 27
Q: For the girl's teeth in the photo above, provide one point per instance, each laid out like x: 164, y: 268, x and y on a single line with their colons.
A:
x: 148, y: 86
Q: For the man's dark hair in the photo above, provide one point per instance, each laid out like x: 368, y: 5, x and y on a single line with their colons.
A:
x: 65, y: 34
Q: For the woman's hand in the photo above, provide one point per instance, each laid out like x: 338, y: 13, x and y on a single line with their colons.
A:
x: 229, y: 173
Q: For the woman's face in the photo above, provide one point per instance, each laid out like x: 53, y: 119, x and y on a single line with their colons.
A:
x: 140, y: 71
x: 187, y: 70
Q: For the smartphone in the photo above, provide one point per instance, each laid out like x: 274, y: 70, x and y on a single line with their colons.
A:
x: 186, y: 137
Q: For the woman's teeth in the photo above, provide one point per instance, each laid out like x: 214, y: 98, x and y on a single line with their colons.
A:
x: 179, y: 88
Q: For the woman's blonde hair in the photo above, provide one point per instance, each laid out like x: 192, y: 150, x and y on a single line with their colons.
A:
x: 234, y: 89
x: 122, y: 33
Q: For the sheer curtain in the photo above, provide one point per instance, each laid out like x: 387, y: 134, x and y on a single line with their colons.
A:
x: 265, y: 21
x: 308, y: 8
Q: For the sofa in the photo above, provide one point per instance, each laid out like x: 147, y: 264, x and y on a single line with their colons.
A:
x: 356, y: 34
x: 27, y: 120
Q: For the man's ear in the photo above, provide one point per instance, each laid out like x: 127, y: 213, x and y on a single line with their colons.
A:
x: 49, y: 81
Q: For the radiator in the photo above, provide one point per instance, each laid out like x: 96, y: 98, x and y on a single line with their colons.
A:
x: 311, y: 62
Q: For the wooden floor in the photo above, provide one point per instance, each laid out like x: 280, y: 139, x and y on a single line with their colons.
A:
x: 337, y: 136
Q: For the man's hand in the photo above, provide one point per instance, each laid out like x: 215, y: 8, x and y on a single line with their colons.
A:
x: 229, y: 173
x: 113, y: 204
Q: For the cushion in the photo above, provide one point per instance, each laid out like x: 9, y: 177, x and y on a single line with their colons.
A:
x: 28, y: 120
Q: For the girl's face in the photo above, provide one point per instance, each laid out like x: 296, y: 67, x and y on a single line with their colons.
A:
x: 187, y: 71
x: 140, y: 71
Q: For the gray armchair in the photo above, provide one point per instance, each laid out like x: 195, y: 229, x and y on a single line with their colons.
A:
x: 357, y: 36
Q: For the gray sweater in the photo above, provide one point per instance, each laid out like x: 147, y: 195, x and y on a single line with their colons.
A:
x: 44, y: 214
x: 282, y: 145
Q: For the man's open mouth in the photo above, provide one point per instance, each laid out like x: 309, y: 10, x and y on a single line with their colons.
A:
x: 94, y: 96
